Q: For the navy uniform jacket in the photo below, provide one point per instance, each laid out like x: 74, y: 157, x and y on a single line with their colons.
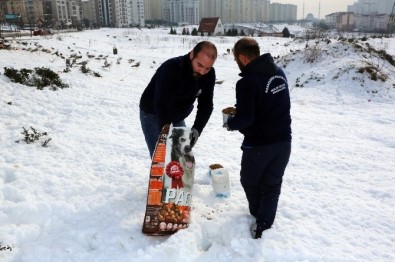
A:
x: 173, y: 90
x: 262, y: 104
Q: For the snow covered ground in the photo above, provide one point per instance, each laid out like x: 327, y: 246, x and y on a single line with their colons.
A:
x: 83, y: 197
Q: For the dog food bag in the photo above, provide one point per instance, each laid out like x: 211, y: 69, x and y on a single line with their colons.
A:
x: 170, y: 183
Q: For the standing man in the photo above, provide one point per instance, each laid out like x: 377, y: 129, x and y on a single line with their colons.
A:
x: 172, y: 91
x: 263, y: 117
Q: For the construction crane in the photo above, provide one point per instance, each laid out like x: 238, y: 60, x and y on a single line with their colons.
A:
x: 391, y: 21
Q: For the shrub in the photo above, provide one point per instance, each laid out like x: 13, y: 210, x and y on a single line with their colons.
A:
x: 30, y: 136
x: 40, y: 77
x: 286, y: 32
x: 4, y: 248
x: 374, y: 72
x: 312, y: 54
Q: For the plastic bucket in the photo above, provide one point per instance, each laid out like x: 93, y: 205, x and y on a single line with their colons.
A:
x: 220, y: 182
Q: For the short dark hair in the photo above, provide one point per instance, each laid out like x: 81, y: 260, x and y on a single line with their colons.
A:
x: 246, y: 46
x: 209, y: 47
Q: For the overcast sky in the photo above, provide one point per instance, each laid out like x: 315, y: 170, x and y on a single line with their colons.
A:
x: 311, y: 6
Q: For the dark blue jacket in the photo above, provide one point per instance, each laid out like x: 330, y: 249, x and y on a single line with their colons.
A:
x: 262, y: 104
x: 173, y: 90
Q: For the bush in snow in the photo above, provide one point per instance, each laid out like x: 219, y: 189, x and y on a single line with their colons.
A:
x: 85, y: 70
x: 40, y: 77
x: 375, y: 73
x: 32, y: 135
x: 313, y: 53
x: 5, y: 248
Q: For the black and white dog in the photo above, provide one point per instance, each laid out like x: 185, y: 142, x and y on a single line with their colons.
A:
x: 181, y: 152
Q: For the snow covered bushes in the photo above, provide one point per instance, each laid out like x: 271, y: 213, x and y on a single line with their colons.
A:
x: 40, y: 77
x: 4, y: 248
x: 30, y: 136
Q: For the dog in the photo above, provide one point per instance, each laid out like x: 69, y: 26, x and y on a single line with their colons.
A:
x: 181, y: 151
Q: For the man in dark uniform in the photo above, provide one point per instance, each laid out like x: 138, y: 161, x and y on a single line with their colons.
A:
x: 172, y: 91
x: 263, y: 117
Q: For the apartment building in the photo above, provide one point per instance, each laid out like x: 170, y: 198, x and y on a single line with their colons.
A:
x: 349, y: 21
x: 283, y: 12
x: 65, y: 12
x: 247, y: 11
x: 365, y: 7
x: 153, y: 9
x: 260, y: 11
x: 136, y: 13
x: 126, y: 13
x: 121, y: 10
x: 371, y: 23
x: 120, y: 13
x: 210, y: 8
x: 88, y: 13
x: 105, y: 12
x: 29, y: 12
x: 182, y: 11
x: 2, y: 12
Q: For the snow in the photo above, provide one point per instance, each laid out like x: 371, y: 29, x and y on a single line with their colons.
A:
x: 83, y: 197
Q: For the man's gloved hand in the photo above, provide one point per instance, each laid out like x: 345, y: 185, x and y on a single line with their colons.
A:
x: 194, y: 135
x: 225, y: 125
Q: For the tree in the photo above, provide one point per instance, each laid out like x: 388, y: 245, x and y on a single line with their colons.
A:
x: 286, y: 32
x: 173, y: 31
x: 232, y: 32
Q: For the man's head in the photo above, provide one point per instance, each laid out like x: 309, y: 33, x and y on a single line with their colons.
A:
x: 244, y: 51
x: 202, y: 58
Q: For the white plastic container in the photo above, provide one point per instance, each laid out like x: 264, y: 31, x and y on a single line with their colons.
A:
x: 220, y: 182
x: 225, y: 117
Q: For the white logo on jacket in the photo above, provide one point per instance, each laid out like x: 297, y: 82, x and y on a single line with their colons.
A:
x: 277, y: 88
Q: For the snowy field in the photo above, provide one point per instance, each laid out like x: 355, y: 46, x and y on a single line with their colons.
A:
x: 82, y: 197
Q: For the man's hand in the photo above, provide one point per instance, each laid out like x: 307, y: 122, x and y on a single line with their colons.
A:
x: 194, y: 135
x: 225, y: 125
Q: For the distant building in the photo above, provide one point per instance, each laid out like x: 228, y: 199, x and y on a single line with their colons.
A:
x: 105, y: 12
x: 365, y: 7
x: 331, y: 20
x: 310, y: 17
x: 30, y: 12
x: 66, y: 13
x: 88, y: 13
x: 211, y: 26
x: 243, y: 11
x: 2, y: 12
x: 283, y: 12
x: 153, y: 9
x: 343, y: 21
x: 273, y: 34
x: 371, y: 23
x: 348, y: 21
x: 128, y: 13
x: 182, y: 11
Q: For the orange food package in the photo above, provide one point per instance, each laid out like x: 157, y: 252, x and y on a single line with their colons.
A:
x: 170, y: 185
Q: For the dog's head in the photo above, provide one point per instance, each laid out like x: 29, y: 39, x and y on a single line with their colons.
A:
x: 181, y: 145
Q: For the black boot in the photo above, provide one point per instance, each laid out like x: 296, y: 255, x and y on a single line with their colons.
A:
x: 259, y: 229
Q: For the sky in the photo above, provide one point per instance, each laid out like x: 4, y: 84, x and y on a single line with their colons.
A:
x: 312, y: 6
x: 83, y: 197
